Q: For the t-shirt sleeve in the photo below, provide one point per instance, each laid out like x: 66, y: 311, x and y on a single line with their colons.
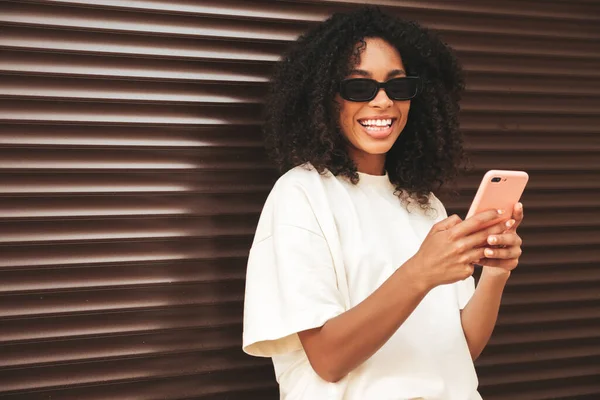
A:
x: 291, y: 283
x: 465, y: 288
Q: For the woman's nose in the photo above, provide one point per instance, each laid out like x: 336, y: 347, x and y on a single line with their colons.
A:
x: 381, y: 100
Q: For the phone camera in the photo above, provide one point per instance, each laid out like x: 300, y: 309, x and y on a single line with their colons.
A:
x: 496, y: 179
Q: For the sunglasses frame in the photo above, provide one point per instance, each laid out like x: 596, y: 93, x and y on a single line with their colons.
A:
x: 380, y: 85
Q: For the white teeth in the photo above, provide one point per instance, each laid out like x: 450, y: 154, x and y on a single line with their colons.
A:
x: 376, y: 122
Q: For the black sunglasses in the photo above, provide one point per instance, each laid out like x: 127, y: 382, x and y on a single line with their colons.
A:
x: 362, y: 89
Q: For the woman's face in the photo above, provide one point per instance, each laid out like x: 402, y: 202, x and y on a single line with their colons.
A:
x: 369, y: 143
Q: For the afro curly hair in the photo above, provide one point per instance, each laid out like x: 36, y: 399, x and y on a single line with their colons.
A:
x: 301, y: 124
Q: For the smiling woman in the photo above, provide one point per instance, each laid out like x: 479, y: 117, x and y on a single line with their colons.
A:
x: 358, y: 284
x: 317, y: 77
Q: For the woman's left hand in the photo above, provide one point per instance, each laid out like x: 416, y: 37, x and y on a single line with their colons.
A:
x: 504, y: 249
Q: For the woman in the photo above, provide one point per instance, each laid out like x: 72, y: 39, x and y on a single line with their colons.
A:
x: 358, y: 285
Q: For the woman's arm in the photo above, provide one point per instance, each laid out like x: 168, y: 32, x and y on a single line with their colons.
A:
x: 446, y: 256
x: 346, y: 341
x: 480, y: 314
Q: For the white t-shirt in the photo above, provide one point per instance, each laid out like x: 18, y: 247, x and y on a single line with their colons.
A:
x: 321, y: 247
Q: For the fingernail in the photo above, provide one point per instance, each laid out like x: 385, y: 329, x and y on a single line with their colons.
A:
x: 519, y: 206
x: 489, y: 252
x: 500, y: 212
x: 492, y: 240
x: 510, y: 223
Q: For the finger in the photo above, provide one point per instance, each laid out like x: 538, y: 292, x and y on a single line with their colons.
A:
x: 447, y: 223
x: 480, y: 238
x: 517, y: 215
x: 509, y: 253
x: 506, y: 239
x: 473, y: 256
x: 476, y: 223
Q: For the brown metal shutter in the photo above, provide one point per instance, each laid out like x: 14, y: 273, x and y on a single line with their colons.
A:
x: 132, y: 176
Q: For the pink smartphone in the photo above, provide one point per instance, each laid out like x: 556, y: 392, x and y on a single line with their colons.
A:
x: 499, y: 190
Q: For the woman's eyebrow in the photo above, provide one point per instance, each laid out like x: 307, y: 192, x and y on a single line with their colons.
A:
x: 360, y: 72
x: 395, y: 73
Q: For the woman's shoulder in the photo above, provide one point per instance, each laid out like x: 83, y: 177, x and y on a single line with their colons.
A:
x: 304, y: 177
x: 293, y: 201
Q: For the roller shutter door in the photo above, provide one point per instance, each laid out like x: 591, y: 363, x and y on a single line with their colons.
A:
x: 132, y: 175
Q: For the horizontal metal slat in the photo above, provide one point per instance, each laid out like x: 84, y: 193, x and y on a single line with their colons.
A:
x: 547, y: 351
x: 549, y: 256
x: 509, y: 44
x: 519, y: 102
x: 255, y: 382
x: 147, y: 227
x: 584, y: 388
x: 530, y: 64
x: 488, y: 142
x: 116, y: 347
x: 542, y: 123
x: 128, y: 137
x: 129, y: 205
x: 117, y: 252
x: 128, y: 160
x: 549, y: 294
x: 31, y: 87
x: 35, y: 111
x: 119, y: 322
x: 217, y: 182
x: 579, y: 367
x: 518, y: 84
x: 559, y: 314
x: 545, y: 332
x: 537, y: 161
x: 122, y: 275
x: 128, y: 369
x: 562, y: 234
x: 542, y: 275
x: 130, y: 68
x: 103, y: 43
x: 113, y: 299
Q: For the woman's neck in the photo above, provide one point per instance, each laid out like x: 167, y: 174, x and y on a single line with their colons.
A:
x: 372, y: 164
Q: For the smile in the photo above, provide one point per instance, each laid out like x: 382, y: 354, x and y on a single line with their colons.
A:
x: 377, y: 128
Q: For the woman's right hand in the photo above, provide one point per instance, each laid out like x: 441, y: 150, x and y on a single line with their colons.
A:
x: 452, y: 246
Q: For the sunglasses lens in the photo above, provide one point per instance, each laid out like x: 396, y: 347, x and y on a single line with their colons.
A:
x: 359, y: 89
x: 402, y: 88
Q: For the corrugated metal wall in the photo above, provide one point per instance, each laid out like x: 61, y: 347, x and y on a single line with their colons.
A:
x: 132, y: 175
